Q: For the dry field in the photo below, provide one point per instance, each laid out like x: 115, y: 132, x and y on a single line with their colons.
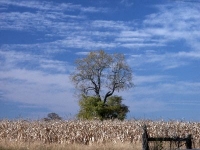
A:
x: 76, y: 134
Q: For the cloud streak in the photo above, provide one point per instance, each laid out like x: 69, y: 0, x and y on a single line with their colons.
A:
x: 35, y: 87
x: 49, y: 6
x: 156, y: 31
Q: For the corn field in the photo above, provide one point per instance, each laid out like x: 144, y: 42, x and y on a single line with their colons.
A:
x: 89, y: 132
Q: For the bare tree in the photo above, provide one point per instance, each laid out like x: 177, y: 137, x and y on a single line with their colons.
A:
x: 102, y: 74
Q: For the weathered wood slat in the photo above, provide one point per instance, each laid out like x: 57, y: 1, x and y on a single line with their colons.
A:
x: 146, y: 139
x: 167, y: 139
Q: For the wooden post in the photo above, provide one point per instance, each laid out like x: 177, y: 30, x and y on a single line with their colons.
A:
x: 189, y: 142
x: 145, y: 145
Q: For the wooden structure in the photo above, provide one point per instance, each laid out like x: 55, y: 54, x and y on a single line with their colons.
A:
x: 146, y: 139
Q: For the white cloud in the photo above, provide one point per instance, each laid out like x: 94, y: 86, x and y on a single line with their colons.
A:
x: 86, y: 43
x: 55, y: 65
x: 54, y: 91
x: 20, y: 82
x: 41, y: 21
x: 129, y: 39
x: 192, y: 55
x: 13, y: 59
x: 36, y: 79
x: 159, y: 94
x: 140, y: 45
x: 149, y: 79
x: 156, y: 31
x: 82, y: 53
x: 147, y: 106
x: 171, y: 23
x: 93, y: 9
x: 127, y: 3
x: 51, y: 6
x: 175, y: 22
x: 111, y: 25
x: 182, y: 87
x: 134, y: 34
x: 162, y: 61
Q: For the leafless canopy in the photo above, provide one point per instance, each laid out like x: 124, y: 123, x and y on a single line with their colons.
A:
x: 102, y: 74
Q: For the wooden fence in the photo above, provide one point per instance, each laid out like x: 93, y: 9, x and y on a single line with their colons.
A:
x: 146, y: 139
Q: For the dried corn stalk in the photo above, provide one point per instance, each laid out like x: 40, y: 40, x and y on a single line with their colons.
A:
x: 87, y: 132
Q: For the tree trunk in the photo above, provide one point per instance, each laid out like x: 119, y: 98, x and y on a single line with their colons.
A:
x: 107, y: 95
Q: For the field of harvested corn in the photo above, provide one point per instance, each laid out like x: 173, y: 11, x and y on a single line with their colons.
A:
x: 87, y: 133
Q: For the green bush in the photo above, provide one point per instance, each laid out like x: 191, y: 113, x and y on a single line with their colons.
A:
x: 93, y: 108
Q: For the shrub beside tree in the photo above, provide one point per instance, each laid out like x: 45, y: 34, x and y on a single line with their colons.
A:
x: 94, y: 108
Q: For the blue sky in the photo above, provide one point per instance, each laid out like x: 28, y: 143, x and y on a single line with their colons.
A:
x: 40, y: 40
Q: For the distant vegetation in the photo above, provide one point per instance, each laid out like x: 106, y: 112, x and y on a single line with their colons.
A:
x: 52, y: 116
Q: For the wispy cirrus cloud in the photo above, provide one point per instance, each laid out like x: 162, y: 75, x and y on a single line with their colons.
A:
x: 127, y: 3
x: 157, y: 30
x: 162, y: 94
x: 163, y: 61
x: 37, y: 80
x: 191, y: 55
x: 175, y: 23
x: 111, y: 25
x: 51, y: 6
x: 41, y: 21
x: 27, y: 60
x: 39, y: 89
x: 82, y: 53
x: 142, y: 80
